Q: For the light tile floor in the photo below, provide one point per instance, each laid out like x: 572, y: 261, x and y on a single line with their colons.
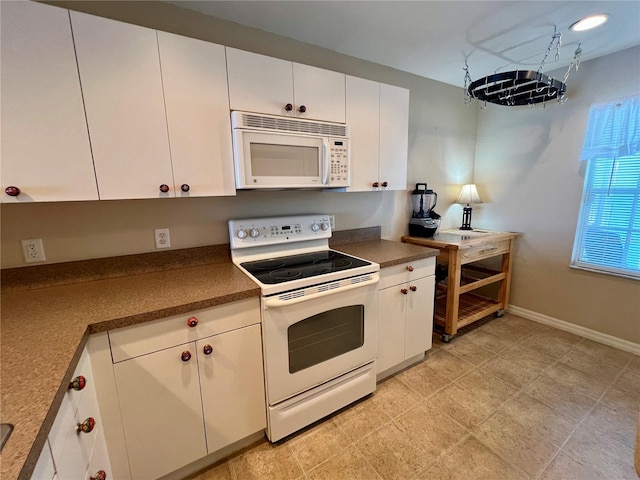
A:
x: 508, y: 398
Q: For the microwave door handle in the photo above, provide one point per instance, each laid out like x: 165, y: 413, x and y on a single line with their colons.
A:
x: 325, y: 161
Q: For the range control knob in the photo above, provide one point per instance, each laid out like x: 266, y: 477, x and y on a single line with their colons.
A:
x: 315, y: 227
x: 325, y: 225
x: 242, y: 233
x: 255, y: 233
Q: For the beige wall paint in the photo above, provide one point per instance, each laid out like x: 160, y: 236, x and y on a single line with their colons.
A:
x: 441, y: 149
x: 528, y: 172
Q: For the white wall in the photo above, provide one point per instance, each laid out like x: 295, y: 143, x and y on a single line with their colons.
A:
x: 441, y: 149
x: 528, y: 172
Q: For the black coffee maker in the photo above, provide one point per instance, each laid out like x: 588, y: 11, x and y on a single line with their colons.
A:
x: 424, y: 220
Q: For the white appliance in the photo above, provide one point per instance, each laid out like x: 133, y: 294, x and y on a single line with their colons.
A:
x: 319, y: 317
x: 282, y: 152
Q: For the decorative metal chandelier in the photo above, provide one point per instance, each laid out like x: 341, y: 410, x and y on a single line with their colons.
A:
x: 521, y: 87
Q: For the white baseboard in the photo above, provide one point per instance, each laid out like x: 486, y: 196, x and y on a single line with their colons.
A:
x: 577, y: 329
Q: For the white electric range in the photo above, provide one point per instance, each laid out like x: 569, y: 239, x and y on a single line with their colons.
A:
x: 319, y: 317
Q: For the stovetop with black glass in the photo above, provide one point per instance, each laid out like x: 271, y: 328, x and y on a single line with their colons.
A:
x: 293, y: 267
x: 287, y: 253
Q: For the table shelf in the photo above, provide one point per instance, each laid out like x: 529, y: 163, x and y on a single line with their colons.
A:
x: 458, y: 302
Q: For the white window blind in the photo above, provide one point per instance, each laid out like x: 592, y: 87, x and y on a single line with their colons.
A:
x: 608, y: 232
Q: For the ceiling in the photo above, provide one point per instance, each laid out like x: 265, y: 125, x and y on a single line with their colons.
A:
x: 433, y: 38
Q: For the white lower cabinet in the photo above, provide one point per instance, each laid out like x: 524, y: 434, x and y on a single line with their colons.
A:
x: 161, y: 411
x: 44, y: 469
x: 232, y: 386
x: 72, y: 446
x: 406, y: 312
x: 181, y: 402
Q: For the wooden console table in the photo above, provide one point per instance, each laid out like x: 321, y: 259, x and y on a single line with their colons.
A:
x: 457, y: 304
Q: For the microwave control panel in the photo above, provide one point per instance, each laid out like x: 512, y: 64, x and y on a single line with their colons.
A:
x: 339, y: 166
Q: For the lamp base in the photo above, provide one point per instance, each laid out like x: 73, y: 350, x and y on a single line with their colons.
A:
x: 466, y: 218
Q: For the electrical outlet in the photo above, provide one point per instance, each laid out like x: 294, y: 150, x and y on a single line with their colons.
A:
x: 163, y: 240
x: 33, y: 250
x: 332, y: 221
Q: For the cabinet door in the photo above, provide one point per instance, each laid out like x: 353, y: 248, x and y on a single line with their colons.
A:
x: 391, y: 327
x: 394, y: 136
x: 419, y: 316
x: 232, y: 385
x: 45, y: 146
x: 362, y: 115
x: 258, y: 83
x: 68, y: 448
x: 99, y: 458
x: 194, y: 78
x: 44, y: 469
x: 120, y: 73
x: 159, y: 397
x: 322, y: 92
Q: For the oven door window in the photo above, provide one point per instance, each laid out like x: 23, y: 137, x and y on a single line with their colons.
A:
x: 325, y: 336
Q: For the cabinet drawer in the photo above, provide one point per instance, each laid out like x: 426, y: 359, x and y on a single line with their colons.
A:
x: 129, y: 342
x: 484, y: 250
x: 406, y: 272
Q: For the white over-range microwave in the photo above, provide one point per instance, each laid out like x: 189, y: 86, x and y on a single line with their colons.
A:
x: 282, y: 152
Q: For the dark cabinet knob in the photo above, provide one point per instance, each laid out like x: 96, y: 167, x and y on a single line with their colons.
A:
x: 404, y: 291
x: 385, y: 184
x: 186, y: 356
x: 78, y: 383
x: 410, y: 268
x: 185, y: 187
x: 376, y: 184
x: 99, y: 475
x: 12, y: 191
x: 413, y: 288
x: 302, y: 109
x: 164, y: 188
x: 192, y: 322
x: 288, y: 107
x: 86, y: 426
x: 207, y: 349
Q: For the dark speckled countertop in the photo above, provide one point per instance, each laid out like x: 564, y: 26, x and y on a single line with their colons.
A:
x: 43, y: 329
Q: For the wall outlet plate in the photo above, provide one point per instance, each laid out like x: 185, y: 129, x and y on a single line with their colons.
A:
x: 163, y: 240
x: 33, y: 250
x: 332, y: 221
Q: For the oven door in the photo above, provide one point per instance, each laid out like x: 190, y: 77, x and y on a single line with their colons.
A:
x: 276, y: 160
x: 312, y: 339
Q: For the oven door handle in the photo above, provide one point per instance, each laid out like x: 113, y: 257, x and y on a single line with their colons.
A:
x: 275, y: 302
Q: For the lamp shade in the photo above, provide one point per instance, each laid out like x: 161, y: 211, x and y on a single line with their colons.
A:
x: 469, y: 194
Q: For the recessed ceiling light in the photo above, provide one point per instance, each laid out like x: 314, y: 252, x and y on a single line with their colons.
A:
x: 589, y: 22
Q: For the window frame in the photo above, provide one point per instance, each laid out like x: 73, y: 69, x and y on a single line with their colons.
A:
x: 603, y: 204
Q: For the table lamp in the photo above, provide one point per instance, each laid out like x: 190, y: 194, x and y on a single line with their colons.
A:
x: 468, y: 195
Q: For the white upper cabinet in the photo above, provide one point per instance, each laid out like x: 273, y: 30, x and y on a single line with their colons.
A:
x: 394, y: 136
x: 363, y: 118
x: 122, y: 86
x: 321, y: 93
x: 378, y: 117
x: 262, y: 84
x: 194, y: 76
x: 45, y: 147
x: 258, y: 83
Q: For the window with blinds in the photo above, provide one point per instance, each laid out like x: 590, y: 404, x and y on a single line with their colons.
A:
x: 608, y: 232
